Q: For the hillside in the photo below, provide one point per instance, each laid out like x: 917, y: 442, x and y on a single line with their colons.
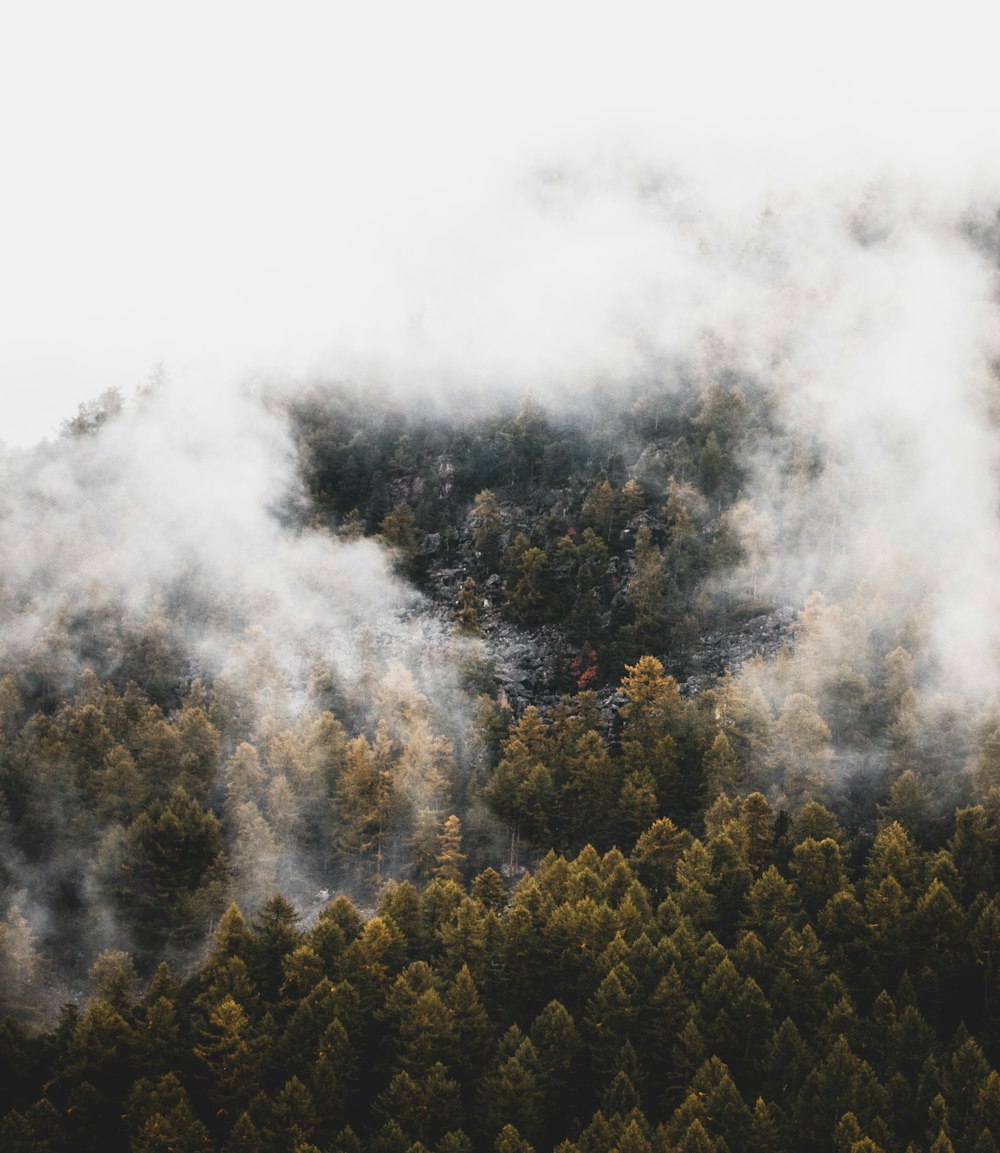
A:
x: 377, y: 778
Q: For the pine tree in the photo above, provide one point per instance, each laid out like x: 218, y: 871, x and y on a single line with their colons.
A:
x: 818, y: 871
x: 656, y: 855
x: 233, y: 1055
x: 695, y: 886
x: 364, y: 805
x: 467, y: 616
x: 721, y: 767
x: 293, y: 1116
x: 425, y: 1106
x: 771, y: 906
x: 398, y: 530
x: 650, y: 716
x: 557, y: 1043
x: 509, y: 1140
x: 273, y: 937
x: 334, y: 1075
x: 802, y: 749
x: 486, y: 520
x: 244, y: 1137
x: 765, y: 1132
x: 176, y: 850
x: 528, y: 599
x: 425, y: 1034
x: 162, y: 1119
x: 22, y: 969
x: 449, y: 859
x: 510, y: 1094
x: 473, y: 1032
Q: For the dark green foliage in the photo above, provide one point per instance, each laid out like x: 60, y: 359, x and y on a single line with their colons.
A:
x: 692, y: 933
x: 573, y: 1009
x: 169, y: 891
x: 439, y: 491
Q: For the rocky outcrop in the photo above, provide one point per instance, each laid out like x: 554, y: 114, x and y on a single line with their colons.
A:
x: 735, y: 642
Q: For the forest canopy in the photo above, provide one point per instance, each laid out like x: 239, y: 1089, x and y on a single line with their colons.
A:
x: 400, y: 780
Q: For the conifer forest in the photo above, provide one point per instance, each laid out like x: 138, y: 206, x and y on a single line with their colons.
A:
x: 499, y: 577
x: 435, y: 780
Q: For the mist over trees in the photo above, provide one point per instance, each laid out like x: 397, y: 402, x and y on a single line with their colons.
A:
x: 594, y: 772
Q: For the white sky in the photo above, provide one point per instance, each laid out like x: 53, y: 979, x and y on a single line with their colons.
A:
x: 225, y: 186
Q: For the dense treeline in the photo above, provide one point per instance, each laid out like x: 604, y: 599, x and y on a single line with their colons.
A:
x: 755, y: 912
x: 617, y: 514
x: 707, y: 972
x: 119, y: 812
x: 763, y: 987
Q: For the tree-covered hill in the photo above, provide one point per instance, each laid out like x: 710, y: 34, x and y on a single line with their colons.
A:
x: 761, y: 987
x: 384, y: 780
